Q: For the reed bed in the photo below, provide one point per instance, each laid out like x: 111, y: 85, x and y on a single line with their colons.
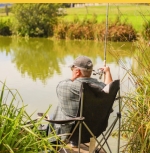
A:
x: 18, y: 132
x: 135, y: 129
x: 91, y: 30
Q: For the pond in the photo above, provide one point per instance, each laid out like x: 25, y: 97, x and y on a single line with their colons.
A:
x: 35, y: 66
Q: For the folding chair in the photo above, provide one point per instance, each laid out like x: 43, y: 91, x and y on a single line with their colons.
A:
x: 93, y: 115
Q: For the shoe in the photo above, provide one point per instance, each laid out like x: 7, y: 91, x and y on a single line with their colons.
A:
x: 73, y: 145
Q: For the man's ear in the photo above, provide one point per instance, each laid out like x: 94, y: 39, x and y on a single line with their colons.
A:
x: 78, y: 72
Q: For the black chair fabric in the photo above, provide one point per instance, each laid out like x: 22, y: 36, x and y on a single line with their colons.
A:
x: 97, y: 106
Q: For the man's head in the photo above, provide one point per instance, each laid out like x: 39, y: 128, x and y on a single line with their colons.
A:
x: 83, y: 66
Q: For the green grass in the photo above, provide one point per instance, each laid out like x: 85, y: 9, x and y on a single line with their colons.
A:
x: 130, y: 12
x: 5, y: 18
x: 114, y: 9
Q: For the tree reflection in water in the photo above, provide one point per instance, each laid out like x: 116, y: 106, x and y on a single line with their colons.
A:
x: 40, y: 58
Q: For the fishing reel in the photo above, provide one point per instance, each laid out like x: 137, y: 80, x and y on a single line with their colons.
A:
x: 99, y: 72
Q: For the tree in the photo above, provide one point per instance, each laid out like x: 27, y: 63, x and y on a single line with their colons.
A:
x: 35, y: 19
x: 66, y: 5
x: 6, y: 10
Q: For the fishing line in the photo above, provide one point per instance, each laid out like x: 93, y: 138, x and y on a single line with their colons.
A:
x: 100, y: 72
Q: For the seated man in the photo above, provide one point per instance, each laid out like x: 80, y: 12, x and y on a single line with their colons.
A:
x: 68, y: 91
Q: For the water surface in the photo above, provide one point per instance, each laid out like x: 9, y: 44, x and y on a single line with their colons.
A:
x: 35, y: 66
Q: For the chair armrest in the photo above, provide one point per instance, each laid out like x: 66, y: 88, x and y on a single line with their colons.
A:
x: 66, y: 121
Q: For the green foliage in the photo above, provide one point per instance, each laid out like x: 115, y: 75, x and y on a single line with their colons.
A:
x: 35, y: 19
x: 5, y: 27
x: 66, y: 5
x: 16, y: 136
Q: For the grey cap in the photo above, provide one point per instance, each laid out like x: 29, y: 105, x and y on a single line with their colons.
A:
x: 83, y: 62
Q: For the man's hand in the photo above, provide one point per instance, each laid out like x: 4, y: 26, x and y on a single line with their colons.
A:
x: 105, y: 69
x: 107, y: 74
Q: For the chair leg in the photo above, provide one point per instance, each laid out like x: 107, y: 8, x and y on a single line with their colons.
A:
x: 94, y: 138
x: 119, y: 115
x: 106, y: 143
x: 79, y: 142
x: 64, y: 150
x: 106, y: 136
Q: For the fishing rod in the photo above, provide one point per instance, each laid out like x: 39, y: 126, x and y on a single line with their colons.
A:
x: 106, y: 34
x: 100, y: 72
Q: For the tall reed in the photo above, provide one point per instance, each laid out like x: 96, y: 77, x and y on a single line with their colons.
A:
x: 16, y: 136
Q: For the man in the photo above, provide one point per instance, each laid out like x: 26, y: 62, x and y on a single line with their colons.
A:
x: 68, y: 91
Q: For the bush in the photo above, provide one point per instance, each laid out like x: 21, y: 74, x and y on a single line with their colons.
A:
x: 35, y: 20
x: 5, y: 28
x: 74, y: 31
x: 60, y: 30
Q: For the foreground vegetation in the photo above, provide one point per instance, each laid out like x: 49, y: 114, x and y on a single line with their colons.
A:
x: 135, y: 129
x: 16, y: 136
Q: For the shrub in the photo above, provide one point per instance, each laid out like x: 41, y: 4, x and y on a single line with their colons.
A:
x: 117, y: 31
x: 60, y: 30
x: 5, y: 28
x: 74, y: 31
x: 35, y: 20
x: 121, y: 32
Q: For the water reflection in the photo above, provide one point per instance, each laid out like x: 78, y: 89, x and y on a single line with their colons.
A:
x: 40, y: 58
x: 37, y: 58
x: 5, y: 43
